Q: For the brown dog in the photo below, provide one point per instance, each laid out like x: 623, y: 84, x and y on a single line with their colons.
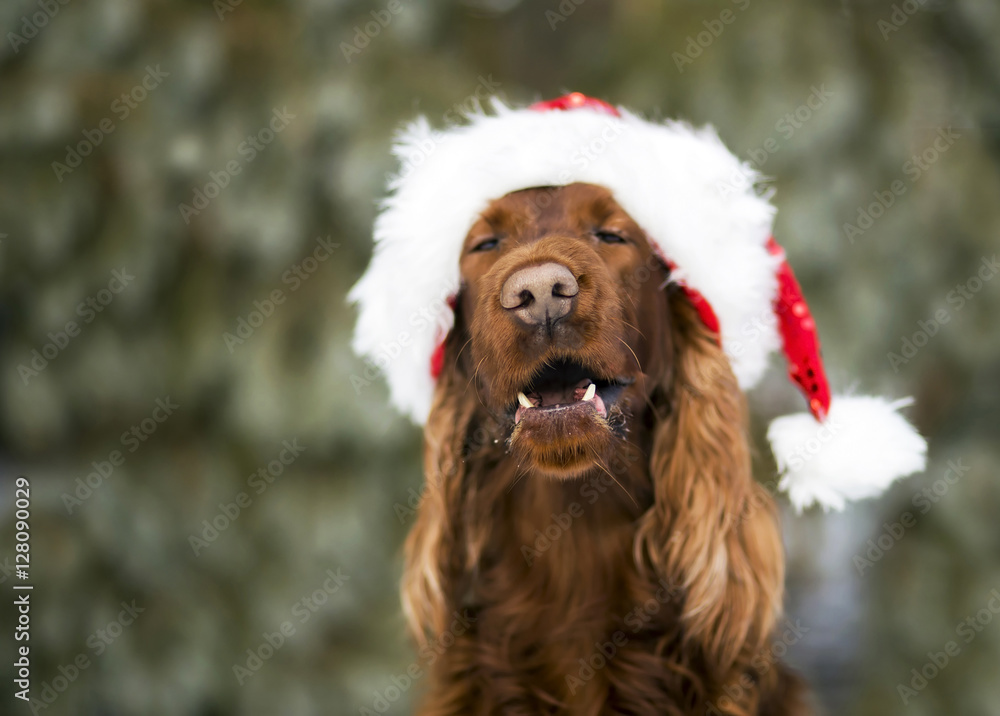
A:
x: 589, y: 510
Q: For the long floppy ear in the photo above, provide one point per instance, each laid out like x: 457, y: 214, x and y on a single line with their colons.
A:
x: 435, y: 549
x: 712, y: 530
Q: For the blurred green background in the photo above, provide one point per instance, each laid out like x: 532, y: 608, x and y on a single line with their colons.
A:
x: 116, y: 114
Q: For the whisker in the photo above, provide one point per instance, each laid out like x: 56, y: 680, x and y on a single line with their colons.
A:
x: 478, y: 366
x: 475, y: 374
x: 517, y: 478
x: 600, y: 464
x: 463, y: 348
x: 637, y: 363
x: 634, y: 328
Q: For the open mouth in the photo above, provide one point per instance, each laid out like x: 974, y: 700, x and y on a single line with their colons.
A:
x: 566, y: 385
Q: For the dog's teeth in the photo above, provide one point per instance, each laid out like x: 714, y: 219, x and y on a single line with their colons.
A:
x: 591, y: 391
x: 523, y: 400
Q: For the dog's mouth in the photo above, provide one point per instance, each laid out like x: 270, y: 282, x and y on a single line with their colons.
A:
x: 566, y: 385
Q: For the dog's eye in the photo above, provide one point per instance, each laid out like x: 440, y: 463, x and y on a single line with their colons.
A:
x: 609, y: 237
x: 487, y: 244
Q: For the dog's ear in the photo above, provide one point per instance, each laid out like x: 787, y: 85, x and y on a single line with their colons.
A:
x: 435, y: 554
x: 712, y: 530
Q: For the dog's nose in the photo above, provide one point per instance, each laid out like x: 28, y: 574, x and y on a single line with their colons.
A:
x: 540, y: 295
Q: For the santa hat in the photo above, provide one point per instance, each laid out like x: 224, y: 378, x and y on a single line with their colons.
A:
x: 701, y: 209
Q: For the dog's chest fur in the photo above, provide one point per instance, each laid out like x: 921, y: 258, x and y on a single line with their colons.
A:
x: 558, y: 596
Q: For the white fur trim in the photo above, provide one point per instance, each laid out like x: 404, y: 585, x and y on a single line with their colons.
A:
x: 693, y: 197
x: 857, y: 452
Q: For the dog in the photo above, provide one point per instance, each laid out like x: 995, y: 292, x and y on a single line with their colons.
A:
x: 590, y: 539
x: 571, y: 300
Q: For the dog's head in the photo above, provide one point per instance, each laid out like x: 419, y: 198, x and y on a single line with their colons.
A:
x: 565, y: 320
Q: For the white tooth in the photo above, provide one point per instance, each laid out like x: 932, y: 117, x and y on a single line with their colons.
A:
x: 591, y: 391
x: 523, y: 400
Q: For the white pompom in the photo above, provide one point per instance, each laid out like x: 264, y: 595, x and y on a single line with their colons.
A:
x: 861, y: 448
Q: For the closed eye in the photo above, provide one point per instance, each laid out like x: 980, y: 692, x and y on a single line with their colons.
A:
x: 486, y: 245
x: 610, y: 237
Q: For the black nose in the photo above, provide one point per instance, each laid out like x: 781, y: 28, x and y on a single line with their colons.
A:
x: 540, y: 295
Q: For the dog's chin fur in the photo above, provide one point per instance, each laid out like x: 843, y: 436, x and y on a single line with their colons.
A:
x: 566, y: 442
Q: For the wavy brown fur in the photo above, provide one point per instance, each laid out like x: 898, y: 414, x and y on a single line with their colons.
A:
x: 650, y: 578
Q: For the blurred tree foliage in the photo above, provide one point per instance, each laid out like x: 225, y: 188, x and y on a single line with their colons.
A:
x: 140, y: 137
